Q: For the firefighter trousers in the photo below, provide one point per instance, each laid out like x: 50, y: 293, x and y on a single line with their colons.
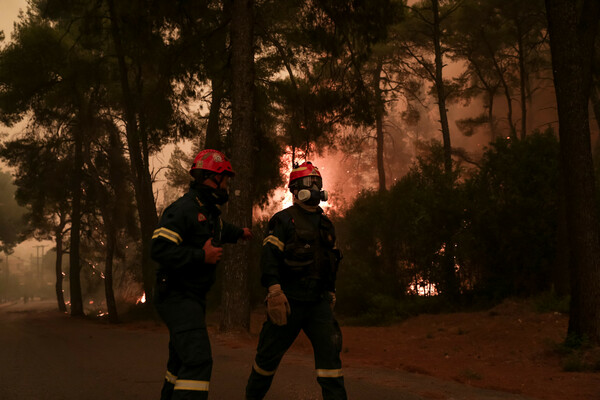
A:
x: 190, y: 360
x: 318, y: 323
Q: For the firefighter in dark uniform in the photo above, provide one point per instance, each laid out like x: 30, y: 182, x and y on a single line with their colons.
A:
x: 187, y: 247
x: 299, y: 263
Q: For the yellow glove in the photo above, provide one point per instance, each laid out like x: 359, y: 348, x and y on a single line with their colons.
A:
x: 278, y: 307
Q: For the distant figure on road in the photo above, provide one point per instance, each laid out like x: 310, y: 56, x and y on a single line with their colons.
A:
x: 187, y: 245
x: 299, y: 265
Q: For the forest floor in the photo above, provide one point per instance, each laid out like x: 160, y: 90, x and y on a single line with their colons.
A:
x: 511, y: 348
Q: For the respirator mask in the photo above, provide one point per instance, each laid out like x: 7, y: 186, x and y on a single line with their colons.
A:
x: 220, y: 194
x: 310, y: 192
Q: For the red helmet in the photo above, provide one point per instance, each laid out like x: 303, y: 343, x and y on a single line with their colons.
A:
x: 306, y: 170
x: 214, y: 161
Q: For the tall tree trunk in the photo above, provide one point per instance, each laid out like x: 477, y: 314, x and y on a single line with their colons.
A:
x: 561, y: 268
x: 6, y: 274
x: 379, y: 112
x: 572, y: 26
x: 217, y: 71
x: 213, y: 131
x: 111, y: 304
x: 60, y: 296
x: 448, y: 263
x: 142, y: 179
x: 509, y: 115
x: 440, y: 87
x: 74, y: 258
x: 107, y: 205
x: 522, y: 81
x: 491, y: 120
x: 595, y: 103
x: 595, y: 99
x: 490, y: 92
x: 507, y: 95
x: 236, y: 305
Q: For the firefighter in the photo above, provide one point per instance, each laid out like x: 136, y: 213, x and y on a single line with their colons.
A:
x: 299, y: 264
x: 187, y: 247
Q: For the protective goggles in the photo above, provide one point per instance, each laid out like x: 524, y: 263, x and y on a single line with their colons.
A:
x: 309, y: 181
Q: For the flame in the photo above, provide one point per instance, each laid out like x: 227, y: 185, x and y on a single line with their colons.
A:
x: 422, y: 287
x: 141, y: 299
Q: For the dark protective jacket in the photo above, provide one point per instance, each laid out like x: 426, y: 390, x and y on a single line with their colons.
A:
x: 299, y: 253
x: 177, y: 242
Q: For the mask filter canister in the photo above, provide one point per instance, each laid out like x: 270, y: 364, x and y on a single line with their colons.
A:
x: 312, y: 197
x: 304, y: 195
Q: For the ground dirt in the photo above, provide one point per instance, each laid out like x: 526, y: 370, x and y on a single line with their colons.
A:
x: 510, y: 348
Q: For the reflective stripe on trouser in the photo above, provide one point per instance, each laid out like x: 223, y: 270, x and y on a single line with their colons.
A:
x: 167, y: 390
x: 332, y: 383
x: 198, y: 386
x: 173, y: 366
x: 169, y: 377
x: 317, y: 321
x: 193, y: 348
x: 190, y: 359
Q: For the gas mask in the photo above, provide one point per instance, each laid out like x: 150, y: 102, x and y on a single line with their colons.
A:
x: 221, y: 196
x: 312, y: 196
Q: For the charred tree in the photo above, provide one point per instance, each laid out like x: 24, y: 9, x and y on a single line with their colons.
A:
x: 236, y: 305
x: 572, y: 28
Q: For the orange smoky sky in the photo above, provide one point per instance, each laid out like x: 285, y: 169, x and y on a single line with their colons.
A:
x: 9, y: 12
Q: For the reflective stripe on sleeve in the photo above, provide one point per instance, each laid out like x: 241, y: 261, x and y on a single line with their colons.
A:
x: 262, y: 371
x: 274, y: 241
x: 183, y: 384
x: 167, y: 234
x: 329, y: 373
x: 169, y: 377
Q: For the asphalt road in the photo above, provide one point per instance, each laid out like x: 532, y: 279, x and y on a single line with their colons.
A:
x: 46, y: 355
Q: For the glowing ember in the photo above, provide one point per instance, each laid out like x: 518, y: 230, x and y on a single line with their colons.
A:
x: 422, y: 287
x: 141, y: 299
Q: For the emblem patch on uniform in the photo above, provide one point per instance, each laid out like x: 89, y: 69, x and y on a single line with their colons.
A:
x: 201, y: 217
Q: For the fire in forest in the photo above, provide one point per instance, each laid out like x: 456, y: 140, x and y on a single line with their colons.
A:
x: 142, y: 299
